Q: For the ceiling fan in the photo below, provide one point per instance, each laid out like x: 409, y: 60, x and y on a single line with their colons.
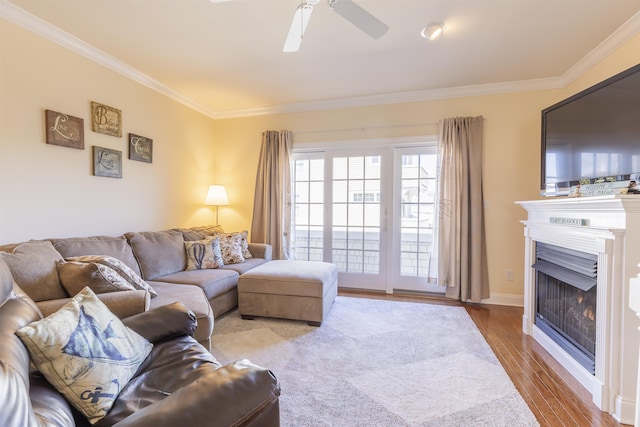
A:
x: 345, y: 8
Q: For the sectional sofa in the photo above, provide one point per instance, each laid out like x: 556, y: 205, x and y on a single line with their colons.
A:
x: 158, y: 257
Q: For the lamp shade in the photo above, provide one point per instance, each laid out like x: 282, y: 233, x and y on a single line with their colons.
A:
x: 216, y: 196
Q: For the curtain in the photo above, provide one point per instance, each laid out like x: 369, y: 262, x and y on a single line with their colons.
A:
x: 462, y: 264
x: 271, y: 222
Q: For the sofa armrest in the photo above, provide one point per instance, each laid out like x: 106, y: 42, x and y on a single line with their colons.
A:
x: 261, y: 250
x: 237, y: 394
x: 122, y: 304
x: 164, y: 322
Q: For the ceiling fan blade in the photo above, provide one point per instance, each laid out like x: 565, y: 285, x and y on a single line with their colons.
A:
x: 359, y: 17
x: 298, y: 26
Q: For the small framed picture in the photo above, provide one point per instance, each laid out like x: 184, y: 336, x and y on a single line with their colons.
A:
x: 107, y: 162
x: 140, y: 148
x: 106, y: 120
x: 64, y: 130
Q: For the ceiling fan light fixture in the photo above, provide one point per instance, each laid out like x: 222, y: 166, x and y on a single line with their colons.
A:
x: 432, y: 31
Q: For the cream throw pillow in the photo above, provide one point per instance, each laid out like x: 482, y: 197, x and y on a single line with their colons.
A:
x: 231, y: 248
x: 203, y: 254
x: 86, y: 353
x: 120, y: 267
x: 100, y: 278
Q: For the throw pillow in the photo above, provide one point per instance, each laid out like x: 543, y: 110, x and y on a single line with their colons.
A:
x: 33, y: 266
x: 121, y: 268
x: 100, y: 278
x: 244, y: 235
x: 203, y: 254
x: 231, y: 248
x: 86, y: 353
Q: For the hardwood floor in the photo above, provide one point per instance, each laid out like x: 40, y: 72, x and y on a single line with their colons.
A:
x: 554, y: 396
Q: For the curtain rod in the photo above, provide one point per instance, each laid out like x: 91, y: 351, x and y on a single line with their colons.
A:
x: 363, y: 128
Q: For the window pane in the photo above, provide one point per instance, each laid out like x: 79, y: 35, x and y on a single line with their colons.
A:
x: 301, y: 170
x: 316, y: 192
x: 302, y: 214
x: 340, y: 193
x: 302, y: 193
x: 340, y: 168
x: 356, y: 168
x: 340, y: 214
x: 316, y: 212
x: 372, y: 215
x: 316, y: 169
x: 372, y: 165
x: 356, y: 215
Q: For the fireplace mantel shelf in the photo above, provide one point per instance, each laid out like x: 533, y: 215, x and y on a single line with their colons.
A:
x: 611, y: 230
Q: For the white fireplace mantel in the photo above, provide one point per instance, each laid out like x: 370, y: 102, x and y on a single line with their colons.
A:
x: 609, y: 227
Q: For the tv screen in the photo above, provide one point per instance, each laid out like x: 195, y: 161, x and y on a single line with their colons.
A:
x: 593, y: 134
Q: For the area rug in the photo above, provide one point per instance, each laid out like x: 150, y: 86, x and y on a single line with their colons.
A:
x: 378, y: 363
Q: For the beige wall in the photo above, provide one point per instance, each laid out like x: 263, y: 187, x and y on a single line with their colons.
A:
x: 49, y: 190
x: 512, y: 153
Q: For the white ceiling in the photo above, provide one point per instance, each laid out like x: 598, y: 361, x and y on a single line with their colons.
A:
x: 225, y: 59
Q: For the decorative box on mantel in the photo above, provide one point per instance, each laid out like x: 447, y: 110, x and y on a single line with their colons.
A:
x: 606, y: 230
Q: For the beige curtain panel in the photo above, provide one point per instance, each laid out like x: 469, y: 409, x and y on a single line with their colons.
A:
x: 271, y: 221
x: 462, y: 265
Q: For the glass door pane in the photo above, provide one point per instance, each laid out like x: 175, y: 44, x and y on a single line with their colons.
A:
x: 414, y: 260
x: 356, y: 200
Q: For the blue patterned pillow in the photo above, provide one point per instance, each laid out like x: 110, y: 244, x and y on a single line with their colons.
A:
x: 86, y: 353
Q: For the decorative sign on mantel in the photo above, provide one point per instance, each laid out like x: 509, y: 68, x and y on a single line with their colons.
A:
x: 568, y: 221
x: 603, y: 188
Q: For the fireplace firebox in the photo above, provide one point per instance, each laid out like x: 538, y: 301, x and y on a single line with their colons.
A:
x: 566, y: 295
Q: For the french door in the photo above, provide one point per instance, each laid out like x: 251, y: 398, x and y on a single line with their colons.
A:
x: 370, y: 212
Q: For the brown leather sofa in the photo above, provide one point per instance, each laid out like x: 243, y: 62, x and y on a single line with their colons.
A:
x: 179, y: 383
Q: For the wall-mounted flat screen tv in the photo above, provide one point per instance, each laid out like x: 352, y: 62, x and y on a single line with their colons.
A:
x: 593, y: 134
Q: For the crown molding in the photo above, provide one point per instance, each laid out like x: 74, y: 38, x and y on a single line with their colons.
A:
x: 623, y: 34
x: 32, y: 23
x: 38, y: 26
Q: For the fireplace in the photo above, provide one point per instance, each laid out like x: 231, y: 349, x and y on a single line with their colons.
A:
x: 581, y: 315
x: 566, y: 295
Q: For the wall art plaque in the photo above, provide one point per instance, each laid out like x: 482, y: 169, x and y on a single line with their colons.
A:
x: 106, y: 120
x: 140, y: 148
x: 64, y: 130
x: 107, y: 162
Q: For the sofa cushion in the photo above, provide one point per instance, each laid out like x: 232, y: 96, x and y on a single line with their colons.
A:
x: 213, y: 282
x: 86, y: 353
x: 75, y: 276
x: 121, y: 268
x: 117, y: 247
x: 191, y: 297
x: 158, y: 252
x: 33, y: 266
x: 245, y: 266
x: 203, y: 254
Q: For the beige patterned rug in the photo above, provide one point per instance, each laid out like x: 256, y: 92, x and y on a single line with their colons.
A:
x: 379, y: 363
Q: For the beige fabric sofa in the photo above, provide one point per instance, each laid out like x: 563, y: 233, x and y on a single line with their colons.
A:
x: 158, y: 257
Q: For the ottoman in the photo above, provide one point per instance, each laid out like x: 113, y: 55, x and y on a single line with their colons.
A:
x: 287, y: 289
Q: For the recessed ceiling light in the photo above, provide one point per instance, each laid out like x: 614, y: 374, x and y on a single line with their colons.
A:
x: 432, y: 31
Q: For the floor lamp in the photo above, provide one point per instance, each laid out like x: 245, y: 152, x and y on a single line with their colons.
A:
x: 216, y: 196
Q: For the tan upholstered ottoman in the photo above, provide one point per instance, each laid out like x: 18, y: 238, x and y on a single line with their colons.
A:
x: 299, y: 290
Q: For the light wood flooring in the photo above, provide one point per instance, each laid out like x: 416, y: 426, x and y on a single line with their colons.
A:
x: 554, y: 396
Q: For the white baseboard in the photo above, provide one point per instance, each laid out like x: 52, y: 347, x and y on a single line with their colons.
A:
x: 505, y: 299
